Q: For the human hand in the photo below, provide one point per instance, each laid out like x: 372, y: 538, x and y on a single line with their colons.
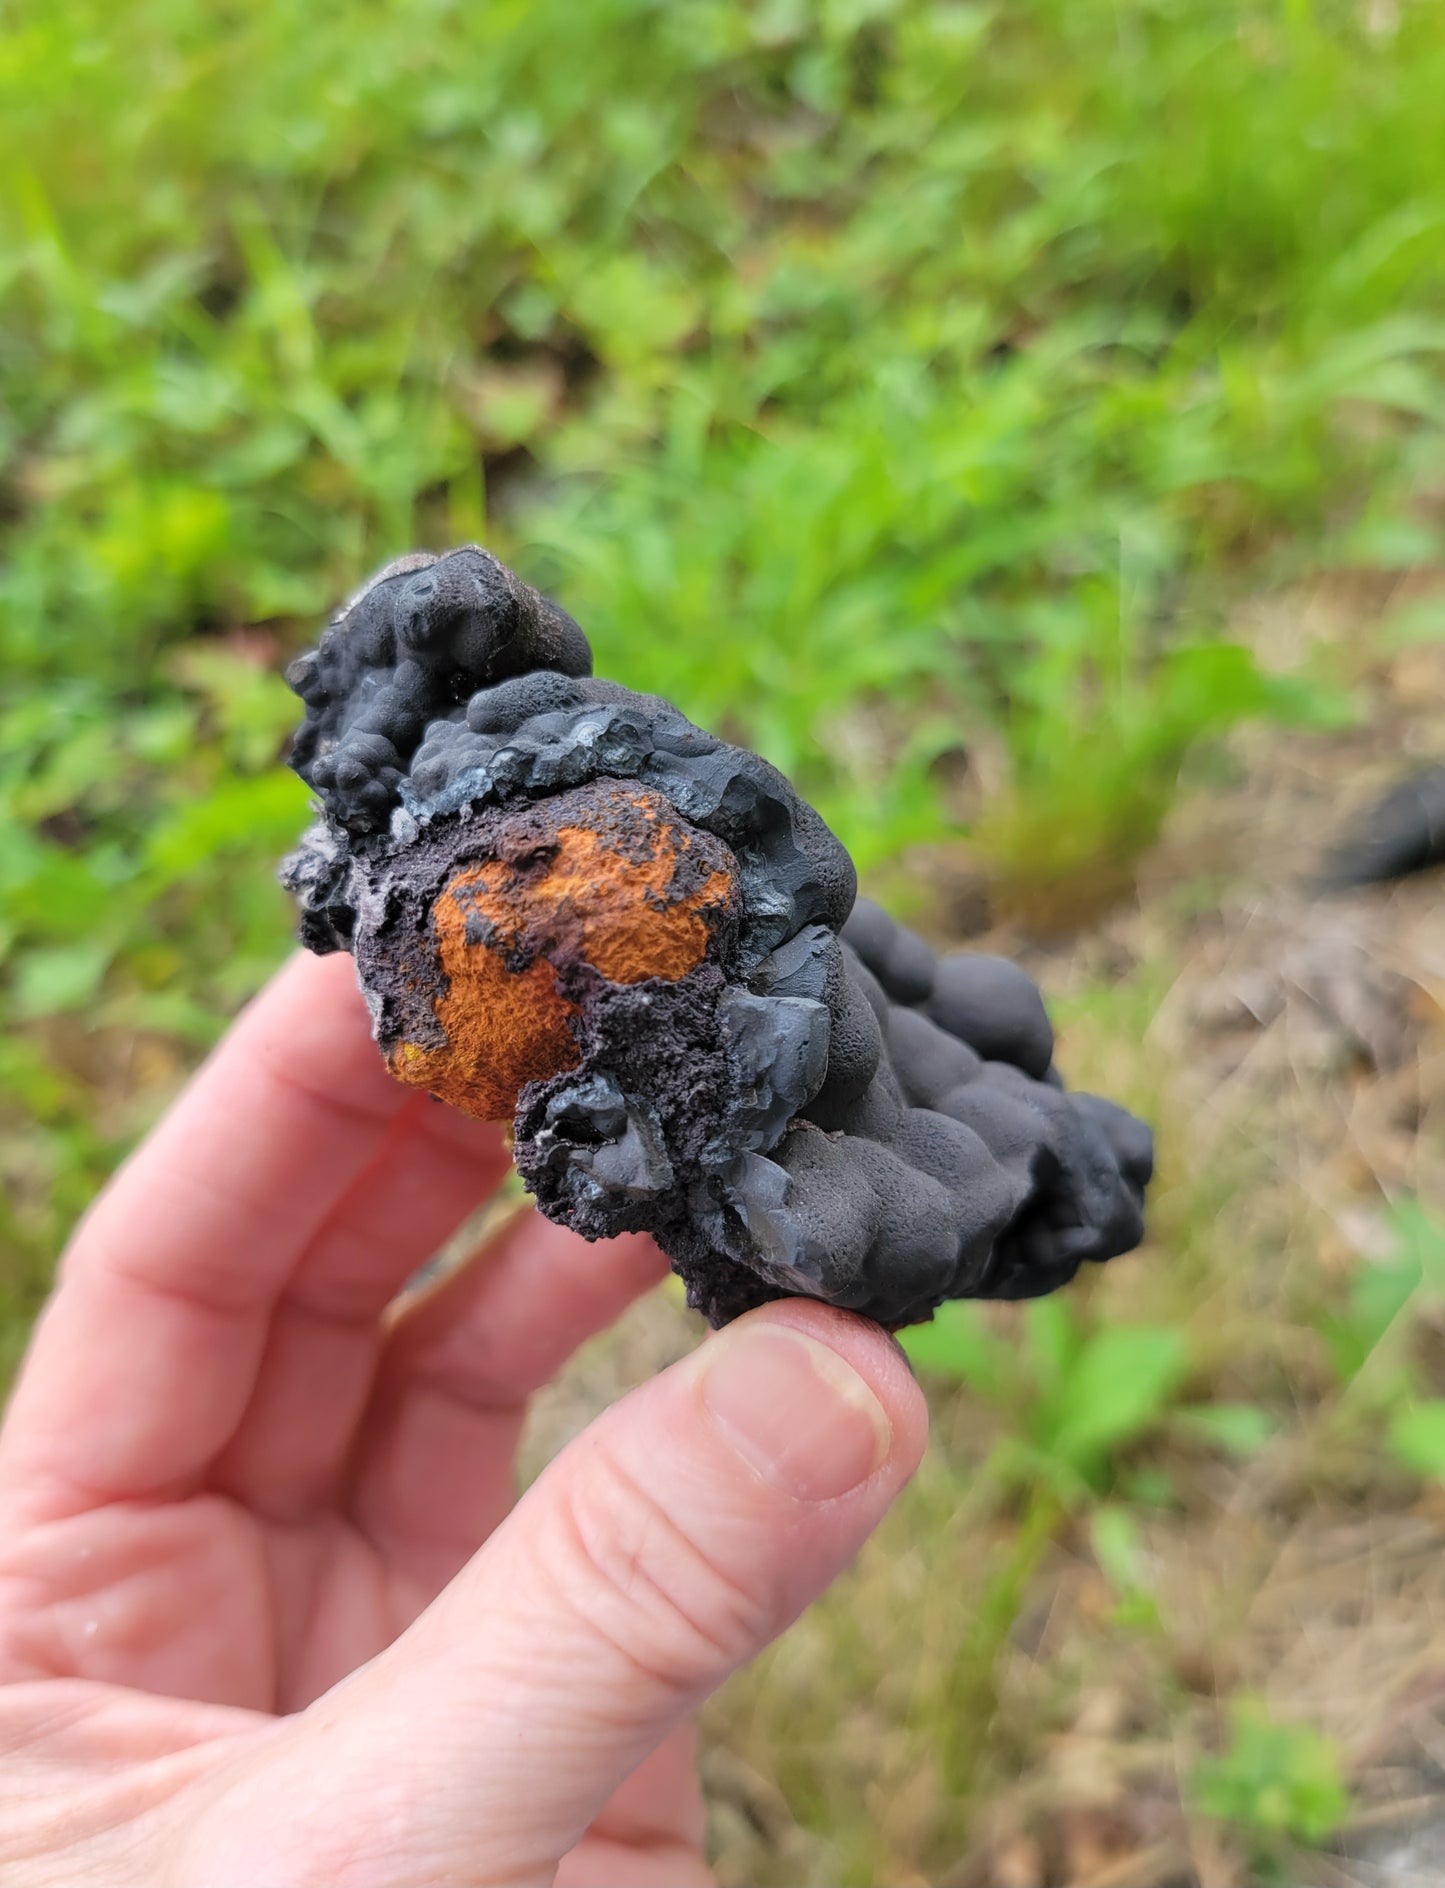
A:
x: 268, y: 1615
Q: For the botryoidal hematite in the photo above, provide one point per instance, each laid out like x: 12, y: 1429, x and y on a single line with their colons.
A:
x: 571, y: 909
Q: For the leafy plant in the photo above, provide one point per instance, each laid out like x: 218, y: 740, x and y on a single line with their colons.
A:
x: 1240, y: 1429
x: 1115, y: 1538
x: 1367, y: 1337
x: 1274, y: 1779
x: 1417, y: 1436
x: 1074, y: 1396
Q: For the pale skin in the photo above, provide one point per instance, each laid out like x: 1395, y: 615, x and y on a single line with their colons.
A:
x: 270, y: 1612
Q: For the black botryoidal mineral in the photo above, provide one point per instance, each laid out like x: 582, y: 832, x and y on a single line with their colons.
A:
x: 571, y: 908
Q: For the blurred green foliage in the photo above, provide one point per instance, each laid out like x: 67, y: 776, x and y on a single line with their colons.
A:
x: 1373, y: 1336
x: 1274, y: 1780
x: 1074, y: 1396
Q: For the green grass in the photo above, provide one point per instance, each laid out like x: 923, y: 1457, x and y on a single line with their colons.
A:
x: 880, y: 379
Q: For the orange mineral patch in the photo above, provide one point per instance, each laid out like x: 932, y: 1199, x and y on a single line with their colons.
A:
x: 599, y: 893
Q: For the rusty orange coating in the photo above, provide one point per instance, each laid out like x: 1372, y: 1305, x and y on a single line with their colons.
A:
x: 576, y: 898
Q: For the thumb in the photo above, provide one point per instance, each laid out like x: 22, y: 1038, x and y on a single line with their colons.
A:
x: 662, y: 1550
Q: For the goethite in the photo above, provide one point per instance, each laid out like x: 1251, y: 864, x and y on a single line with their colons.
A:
x: 571, y: 909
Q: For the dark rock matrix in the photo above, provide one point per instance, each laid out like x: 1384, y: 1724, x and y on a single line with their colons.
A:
x: 571, y: 909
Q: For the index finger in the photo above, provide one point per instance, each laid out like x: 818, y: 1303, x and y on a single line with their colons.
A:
x: 143, y: 1360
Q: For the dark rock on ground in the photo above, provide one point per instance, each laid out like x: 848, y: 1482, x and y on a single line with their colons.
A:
x: 1402, y: 833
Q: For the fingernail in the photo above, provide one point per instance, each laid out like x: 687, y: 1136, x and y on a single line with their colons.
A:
x: 794, y: 1411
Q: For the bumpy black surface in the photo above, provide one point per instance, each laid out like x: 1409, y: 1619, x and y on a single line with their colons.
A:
x: 822, y: 1106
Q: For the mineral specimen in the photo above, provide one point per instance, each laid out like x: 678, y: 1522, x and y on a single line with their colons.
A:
x: 571, y: 909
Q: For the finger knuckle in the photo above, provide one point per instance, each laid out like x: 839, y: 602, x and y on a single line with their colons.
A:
x: 645, y: 1584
